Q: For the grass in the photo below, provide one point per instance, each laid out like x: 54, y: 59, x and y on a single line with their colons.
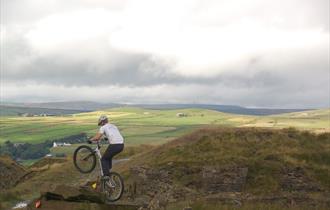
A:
x: 29, y: 162
x: 270, y: 155
x: 8, y: 199
x: 316, y: 120
x: 138, y: 126
x: 142, y: 126
x: 266, y: 152
x: 69, y: 150
x: 203, y: 205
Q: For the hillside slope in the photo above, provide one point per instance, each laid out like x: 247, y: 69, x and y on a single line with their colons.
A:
x: 10, y: 172
x: 212, y: 167
x: 242, y: 164
x: 316, y: 120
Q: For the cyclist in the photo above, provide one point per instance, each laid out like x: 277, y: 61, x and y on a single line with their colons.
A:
x: 116, y: 142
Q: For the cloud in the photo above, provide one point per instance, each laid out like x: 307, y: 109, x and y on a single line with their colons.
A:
x: 276, y: 97
x: 215, y: 51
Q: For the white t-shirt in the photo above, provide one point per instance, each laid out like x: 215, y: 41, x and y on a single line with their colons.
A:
x: 112, y: 133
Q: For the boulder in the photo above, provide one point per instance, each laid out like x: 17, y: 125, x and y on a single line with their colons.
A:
x: 72, y: 194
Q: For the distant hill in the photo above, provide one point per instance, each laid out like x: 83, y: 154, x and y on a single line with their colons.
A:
x: 93, y: 106
x: 71, y: 105
x: 222, y: 108
x: 6, y: 110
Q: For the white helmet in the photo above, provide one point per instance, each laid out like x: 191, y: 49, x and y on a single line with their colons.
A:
x: 102, y: 119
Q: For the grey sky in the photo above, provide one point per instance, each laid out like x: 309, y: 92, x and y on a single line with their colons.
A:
x: 252, y: 53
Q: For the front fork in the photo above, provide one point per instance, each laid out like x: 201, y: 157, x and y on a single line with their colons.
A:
x: 98, y: 153
x: 100, y: 163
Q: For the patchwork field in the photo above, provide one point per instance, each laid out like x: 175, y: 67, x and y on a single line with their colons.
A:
x: 142, y: 126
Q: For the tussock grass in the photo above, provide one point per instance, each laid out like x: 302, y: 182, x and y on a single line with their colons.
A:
x: 202, y: 205
x: 267, y: 153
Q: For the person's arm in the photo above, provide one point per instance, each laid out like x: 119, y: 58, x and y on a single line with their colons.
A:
x: 97, y: 137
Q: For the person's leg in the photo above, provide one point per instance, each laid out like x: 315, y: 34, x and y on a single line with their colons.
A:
x: 116, y: 148
x: 106, y: 159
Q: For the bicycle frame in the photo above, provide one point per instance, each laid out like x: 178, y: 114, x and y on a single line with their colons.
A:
x: 98, y: 153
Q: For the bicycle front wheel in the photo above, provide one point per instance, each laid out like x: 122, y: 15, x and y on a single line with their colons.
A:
x: 84, y: 159
x: 114, y: 187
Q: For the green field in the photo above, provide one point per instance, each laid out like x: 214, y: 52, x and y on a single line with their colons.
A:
x: 142, y: 126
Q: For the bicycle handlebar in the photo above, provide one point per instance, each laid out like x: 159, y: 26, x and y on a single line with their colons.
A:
x: 102, y: 139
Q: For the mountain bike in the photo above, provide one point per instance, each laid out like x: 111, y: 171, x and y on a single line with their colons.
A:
x: 85, y: 158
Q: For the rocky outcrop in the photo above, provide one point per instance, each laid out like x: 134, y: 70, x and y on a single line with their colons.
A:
x: 67, y: 197
x: 295, y: 179
x: 158, y: 186
x: 228, y: 179
x: 64, y: 205
x: 72, y: 194
x: 10, y: 172
x: 47, y: 162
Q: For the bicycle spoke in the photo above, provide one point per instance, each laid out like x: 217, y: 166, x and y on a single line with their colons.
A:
x: 85, y: 159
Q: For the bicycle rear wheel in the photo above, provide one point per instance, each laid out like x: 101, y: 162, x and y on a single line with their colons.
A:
x: 84, y: 159
x: 114, y: 187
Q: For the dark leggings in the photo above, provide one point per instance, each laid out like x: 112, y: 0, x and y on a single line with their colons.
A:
x: 106, y: 160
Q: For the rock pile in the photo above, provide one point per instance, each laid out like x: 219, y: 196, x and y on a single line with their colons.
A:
x: 229, y: 179
x: 159, y: 186
x: 71, y: 198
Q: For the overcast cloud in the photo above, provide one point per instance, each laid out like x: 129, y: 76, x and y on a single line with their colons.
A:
x: 253, y: 53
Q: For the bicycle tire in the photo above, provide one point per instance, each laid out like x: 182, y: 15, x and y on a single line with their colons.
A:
x: 121, y: 188
x: 89, y: 154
